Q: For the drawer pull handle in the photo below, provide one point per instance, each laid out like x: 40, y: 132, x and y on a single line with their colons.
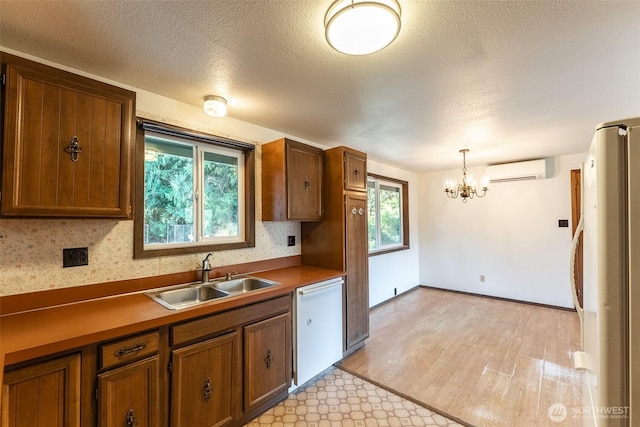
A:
x: 74, y: 149
x: 307, y: 184
x: 125, y: 351
x: 131, y: 419
x: 207, y: 389
x: 269, y: 359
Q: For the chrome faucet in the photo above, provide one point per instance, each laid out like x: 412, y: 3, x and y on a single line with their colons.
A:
x: 206, y: 268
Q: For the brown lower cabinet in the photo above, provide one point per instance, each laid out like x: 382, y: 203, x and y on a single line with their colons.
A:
x: 205, y: 389
x: 43, y: 394
x: 267, y: 361
x: 222, y: 369
x: 128, y: 396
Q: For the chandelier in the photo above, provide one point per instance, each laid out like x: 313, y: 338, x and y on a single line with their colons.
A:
x: 466, y: 190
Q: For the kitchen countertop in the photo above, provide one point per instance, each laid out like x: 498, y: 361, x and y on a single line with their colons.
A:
x: 36, y: 333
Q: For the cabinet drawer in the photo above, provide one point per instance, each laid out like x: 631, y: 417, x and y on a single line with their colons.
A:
x: 221, y: 322
x: 128, y: 349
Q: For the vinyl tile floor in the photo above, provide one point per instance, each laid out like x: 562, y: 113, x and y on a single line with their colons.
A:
x: 336, y: 398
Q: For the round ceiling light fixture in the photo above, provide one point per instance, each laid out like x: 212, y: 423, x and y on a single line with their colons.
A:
x: 215, y: 106
x: 360, y: 27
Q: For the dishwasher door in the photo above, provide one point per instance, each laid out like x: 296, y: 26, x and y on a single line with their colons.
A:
x: 317, y: 329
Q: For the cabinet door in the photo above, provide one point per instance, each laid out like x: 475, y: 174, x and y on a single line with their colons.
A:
x: 267, y: 359
x: 45, y: 394
x: 128, y: 396
x: 304, y: 182
x: 355, y: 172
x: 206, y: 383
x: 67, y: 145
x: 357, y: 280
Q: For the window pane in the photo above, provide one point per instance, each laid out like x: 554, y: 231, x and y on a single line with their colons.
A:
x: 221, y: 195
x: 168, y: 191
x: 390, y: 218
x: 372, y: 217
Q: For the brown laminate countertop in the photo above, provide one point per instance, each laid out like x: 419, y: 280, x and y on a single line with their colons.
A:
x: 36, y: 333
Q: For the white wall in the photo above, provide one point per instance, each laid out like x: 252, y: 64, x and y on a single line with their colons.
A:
x: 511, y: 237
x: 397, y: 270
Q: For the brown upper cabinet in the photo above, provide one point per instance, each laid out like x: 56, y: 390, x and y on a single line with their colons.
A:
x: 67, y: 144
x: 355, y: 171
x: 291, y: 181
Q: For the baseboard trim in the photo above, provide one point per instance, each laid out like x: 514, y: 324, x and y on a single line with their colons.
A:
x: 394, y: 297
x: 498, y: 298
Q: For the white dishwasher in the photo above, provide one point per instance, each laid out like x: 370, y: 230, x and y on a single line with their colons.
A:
x: 317, y: 329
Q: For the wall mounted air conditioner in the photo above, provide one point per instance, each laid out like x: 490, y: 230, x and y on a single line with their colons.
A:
x: 519, y: 171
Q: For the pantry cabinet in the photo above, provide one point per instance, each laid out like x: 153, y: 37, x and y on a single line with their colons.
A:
x: 46, y: 393
x: 340, y: 241
x: 67, y: 144
x: 291, y: 181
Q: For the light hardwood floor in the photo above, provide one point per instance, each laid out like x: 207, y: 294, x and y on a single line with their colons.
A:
x: 483, y: 361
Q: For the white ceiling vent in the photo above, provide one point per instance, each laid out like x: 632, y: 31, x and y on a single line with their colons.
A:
x: 518, y: 171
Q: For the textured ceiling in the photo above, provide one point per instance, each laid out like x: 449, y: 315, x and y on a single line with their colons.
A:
x: 510, y: 80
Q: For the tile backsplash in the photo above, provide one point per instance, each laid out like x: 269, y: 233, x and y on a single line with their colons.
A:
x: 31, y: 252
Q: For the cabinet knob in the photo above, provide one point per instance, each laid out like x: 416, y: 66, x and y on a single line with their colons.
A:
x: 74, y: 149
x: 354, y: 211
x: 207, y: 389
x: 131, y: 419
x: 269, y: 359
x: 356, y: 172
x: 307, y: 184
x: 360, y: 211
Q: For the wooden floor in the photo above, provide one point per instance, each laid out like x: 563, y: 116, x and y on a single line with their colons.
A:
x: 483, y: 361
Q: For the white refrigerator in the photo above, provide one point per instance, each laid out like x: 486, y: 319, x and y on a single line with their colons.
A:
x: 610, y: 317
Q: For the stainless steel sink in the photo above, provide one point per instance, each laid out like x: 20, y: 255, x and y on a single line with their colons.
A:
x: 244, y: 284
x: 183, y: 296
x: 186, y: 296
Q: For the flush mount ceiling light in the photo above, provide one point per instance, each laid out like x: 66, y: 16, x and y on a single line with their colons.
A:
x: 466, y: 190
x: 360, y: 27
x: 215, y: 106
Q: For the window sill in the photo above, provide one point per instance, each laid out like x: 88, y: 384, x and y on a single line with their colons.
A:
x: 387, y: 251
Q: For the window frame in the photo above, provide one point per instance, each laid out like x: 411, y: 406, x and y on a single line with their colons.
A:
x: 404, y: 208
x: 197, y: 138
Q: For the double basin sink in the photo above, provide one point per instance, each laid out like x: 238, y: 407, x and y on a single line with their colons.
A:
x: 182, y: 296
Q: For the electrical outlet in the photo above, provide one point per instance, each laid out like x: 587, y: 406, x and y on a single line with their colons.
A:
x: 482, y: 278
x: 291, y: 240
x: 74, y: 257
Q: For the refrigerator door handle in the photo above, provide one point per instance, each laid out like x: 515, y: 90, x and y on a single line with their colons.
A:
x: 572, y: 262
